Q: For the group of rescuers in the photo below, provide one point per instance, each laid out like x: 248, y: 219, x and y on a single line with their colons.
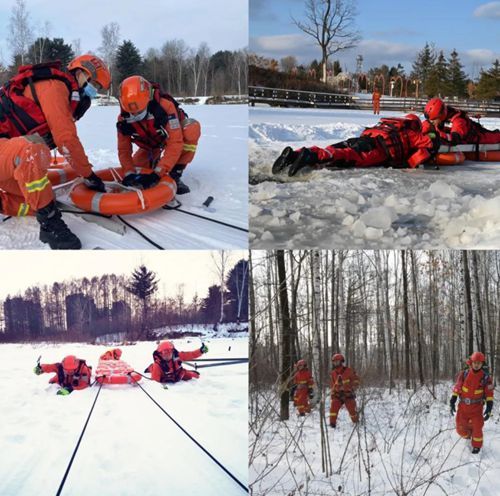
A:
x: 73, y: 373
x: 398, y: 142
x: 473, y: 387
x: 38, y: 110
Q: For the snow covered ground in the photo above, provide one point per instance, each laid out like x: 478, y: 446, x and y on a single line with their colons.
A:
x: 218, y: 170
x: 130, y: 447
x: 404, y: 444
x: 455, y: 207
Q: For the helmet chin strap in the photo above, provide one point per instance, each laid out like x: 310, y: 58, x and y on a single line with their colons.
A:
x: 137, y: 117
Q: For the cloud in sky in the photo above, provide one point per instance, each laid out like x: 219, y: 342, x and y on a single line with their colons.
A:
x: 489, y: 10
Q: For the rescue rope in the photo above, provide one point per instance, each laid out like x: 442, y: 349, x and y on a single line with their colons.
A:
x: 78, y: 444
x: 220, y: 359
x: 195, y: 441
x: 228, y: 362
x: 149, y: 240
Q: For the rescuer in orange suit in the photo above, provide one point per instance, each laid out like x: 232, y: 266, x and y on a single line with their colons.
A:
x: 114, y: 354
x: 376, y: 101
x: 455, y: 126
x: 343, y: 384
x: 303, y: 387
x: 38, y: 110
x: 71, y: 373
x: 167, y: 364
x: 474, y: 387
x: 167, y: 138
x: 392, y: 142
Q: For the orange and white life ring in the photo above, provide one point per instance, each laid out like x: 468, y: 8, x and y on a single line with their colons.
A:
x: 60, y: 172
x: 450, y: 158
x: 486, y: 156
x: 121, y: 200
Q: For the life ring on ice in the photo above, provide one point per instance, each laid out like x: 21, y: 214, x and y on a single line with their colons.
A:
x: 450, y: 158
x: 486, y: 156
x: 122, y: 200
x: 60, y: 172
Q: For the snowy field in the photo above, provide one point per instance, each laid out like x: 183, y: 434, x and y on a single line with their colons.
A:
x: 130, y: 446
x: 404, y: 445
x: 218, y: 170
x: 455, y: 207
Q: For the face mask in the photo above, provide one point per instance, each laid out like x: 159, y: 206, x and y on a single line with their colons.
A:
x: 137, y: 117
x: 89, y: 90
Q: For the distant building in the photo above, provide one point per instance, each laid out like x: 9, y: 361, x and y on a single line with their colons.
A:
x: 81, y: 312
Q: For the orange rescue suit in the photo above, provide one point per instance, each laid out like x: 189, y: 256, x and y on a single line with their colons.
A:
x: 473, y: 388
x: 303, y: 381
x: 376, y: 102
x: 79, y: 380
x: 172, y: 370
x: 343, y: 384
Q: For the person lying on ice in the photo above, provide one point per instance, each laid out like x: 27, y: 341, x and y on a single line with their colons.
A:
x: 303, y: 384
x: 42, y: 102
x: 166, y: 136
x: 392, y: 142
x: 72, y: 373
x: 167, y: 364
x: 114, y: 354
x: 343, y: 384
x: 473, y: 386
x: 454, y: 126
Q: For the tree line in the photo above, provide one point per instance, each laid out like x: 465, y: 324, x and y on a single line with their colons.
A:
x: 85, y: 308
x: 180, y: 69
x: 411, y: 317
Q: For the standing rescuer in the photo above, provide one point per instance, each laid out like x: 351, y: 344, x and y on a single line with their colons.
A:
x: 343, y: 384
x: 303, y: 384
x: 38, y: 110
x: 474, y: 387
x: 376, y: 101
x: 167, y: 138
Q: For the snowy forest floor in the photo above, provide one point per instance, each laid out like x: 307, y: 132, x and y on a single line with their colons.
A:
x: 219, y: 169
x: 454, y: 207
x: 130, y: 447
x: 405, y: 444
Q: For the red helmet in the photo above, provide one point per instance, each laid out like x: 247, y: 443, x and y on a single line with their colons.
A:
x: 70, y: 364
x: 477, y: 356
x: 435, y: 109
x: 135, y: 94
x: 301, y: 363
x: 94, y: 67
x: 165, y: 346
x: 338, y: 358
x: 415, y: 121
x: 117, y: 353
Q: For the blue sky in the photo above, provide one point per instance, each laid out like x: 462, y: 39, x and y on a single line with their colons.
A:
x: 148, y: 23
x: 392, y: 31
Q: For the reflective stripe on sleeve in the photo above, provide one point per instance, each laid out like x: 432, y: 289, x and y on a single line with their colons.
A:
x: 38, y: 185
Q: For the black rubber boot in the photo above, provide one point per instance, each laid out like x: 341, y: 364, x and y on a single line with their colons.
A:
x: 54, y: 231
x: 284, y: 160
x: 333, y: 426
x: 305, y: 157
x: 475, y: 451
x: 176, y: 174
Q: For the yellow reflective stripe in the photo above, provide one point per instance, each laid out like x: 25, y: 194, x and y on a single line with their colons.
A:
x: 477, y: 439
x: 479, y: 391
x: 489, y: 398
x: 189, y: 148
x: 37, y: 185
x: 454, y: 394
x: 23, y: 209
x: 347, y: 380
x: 333, y: 414
x: 464, y: 389
x: 302, y: 382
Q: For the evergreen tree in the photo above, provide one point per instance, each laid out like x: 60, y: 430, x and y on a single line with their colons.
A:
x: 49, y: 50
x: 337, y: 69
x: 457, y: 77
x: 143, y: 285
x: 423, y: 65
x: 210, y: 307
x: 128, y: 60
x: 438, y: 83
x: 488, y: 86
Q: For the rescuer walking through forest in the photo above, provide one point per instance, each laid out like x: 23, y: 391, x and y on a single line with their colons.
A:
x: 303, y: 387
x: 474, y: 387
x: 343, y: 384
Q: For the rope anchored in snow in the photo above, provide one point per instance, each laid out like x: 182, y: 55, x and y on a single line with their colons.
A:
x: 220, y: 364
x: 78, y: 443
x: 195, y: 441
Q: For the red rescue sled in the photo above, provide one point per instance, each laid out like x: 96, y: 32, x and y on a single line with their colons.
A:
x: 116, y: 372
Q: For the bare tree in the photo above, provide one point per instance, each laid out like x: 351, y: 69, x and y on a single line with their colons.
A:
x: 198, y: 63
x: 110, y: 34
x: 288, y: 63
x: 76, y: 45
x: 20, y: 34
x: 220, y: 259
x: 331, y: 24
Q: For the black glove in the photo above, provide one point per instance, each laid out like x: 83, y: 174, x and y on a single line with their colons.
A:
x: 311, y: 393
x: 487, y: 412
x: 147, y: 180
x: 130, y: 179
x: 94, y: 182
x: 436, y: 142
x: 204, y: 348
x: 453, y: 400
